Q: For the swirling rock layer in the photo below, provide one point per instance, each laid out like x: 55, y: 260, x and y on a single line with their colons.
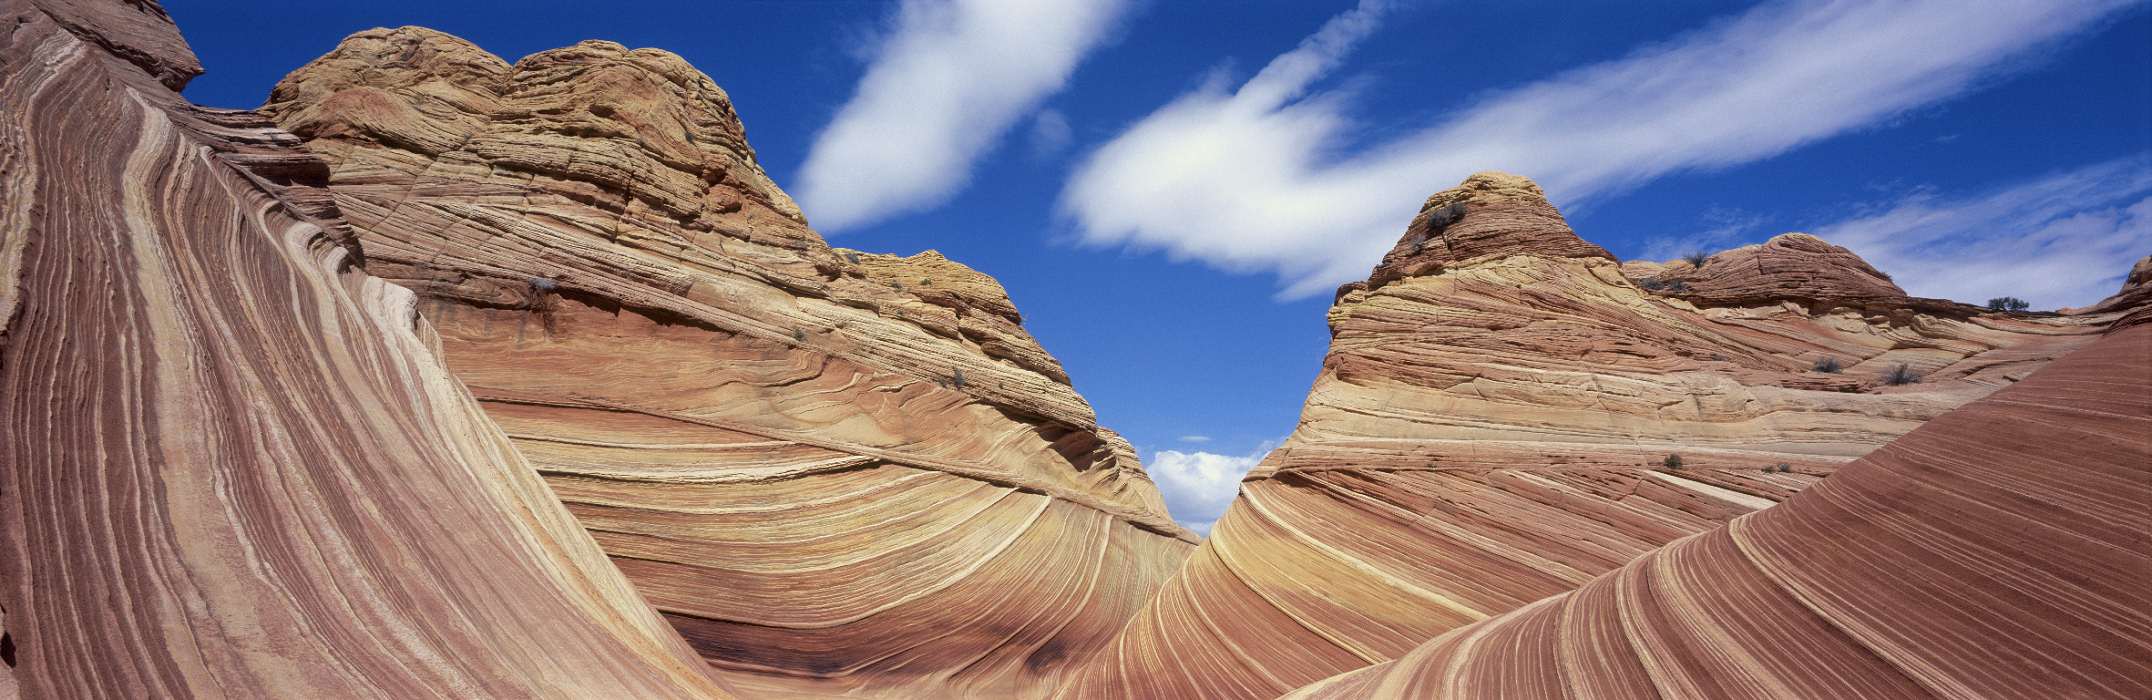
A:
x: 1997, y: 551
x: 833, y: 471
x: 1491, y: 429
x: 230, y: 464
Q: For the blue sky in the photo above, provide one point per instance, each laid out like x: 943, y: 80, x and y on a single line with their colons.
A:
x: 1169, y: 190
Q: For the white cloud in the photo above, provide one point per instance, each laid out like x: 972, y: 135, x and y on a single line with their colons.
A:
x: 1721, y: 228
x: 1251, y: 178
x: 1199, y: 485
x: 1050, y: 133
x: 946, y: 85
x: 2063, y: 240
x: 1195, y: 438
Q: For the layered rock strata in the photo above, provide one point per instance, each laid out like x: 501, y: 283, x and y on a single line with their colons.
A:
x: 1996, y: 551
x: 1791, y: 267
x: 230, y: 462
x: 1504, y: 416
x: 833, y: 471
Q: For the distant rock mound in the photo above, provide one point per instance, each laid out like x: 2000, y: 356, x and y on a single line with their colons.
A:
x: 1793, y: 267
x: 1997, y: 551
x: 833, y: 471
x: 2136, y: 292
x: 1504, y: 416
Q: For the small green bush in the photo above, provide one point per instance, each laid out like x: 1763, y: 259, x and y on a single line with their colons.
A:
x: 1900, y: 374
x: 1828, y: 365
x: 2008, y: 304
x: 1672, y: 461
x: 1697, y: 258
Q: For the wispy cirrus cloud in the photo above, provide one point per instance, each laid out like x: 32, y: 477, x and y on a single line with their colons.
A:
x: 947, y: 84
x: 1251, y: 177
x: 2066, y: 239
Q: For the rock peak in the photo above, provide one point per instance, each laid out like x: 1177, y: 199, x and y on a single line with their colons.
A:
x: 1788, y: 267
x: 1489, y: 215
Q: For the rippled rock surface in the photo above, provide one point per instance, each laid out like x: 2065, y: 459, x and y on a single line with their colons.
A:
x: 831, y: 470
x: 1504, y: 415
x: 231, y: 464
x: 1997, y: 551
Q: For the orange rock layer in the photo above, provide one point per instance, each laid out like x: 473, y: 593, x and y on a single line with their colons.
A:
x: 1503, y: 424
x: 833, y: 471
x: 1997, y: 551
x: 230, y: 462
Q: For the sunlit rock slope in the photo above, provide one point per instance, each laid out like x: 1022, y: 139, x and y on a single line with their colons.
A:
x: 831, y: 470
x: 1996, y: 552
x: 1505, y: 415
x: 230, y: 462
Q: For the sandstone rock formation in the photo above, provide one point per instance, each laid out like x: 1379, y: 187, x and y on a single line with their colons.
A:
x: 230, y: 463
x: 833, y: 471
x: 2136, y: 292
x: 1997, y: 551
x: 1791, y: 267
x: 1499, y: 419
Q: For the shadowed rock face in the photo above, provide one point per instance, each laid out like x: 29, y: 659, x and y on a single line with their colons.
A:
x: 831, y: 470
x: 1492, y: 428
x: 230, y: 463
x: 1997, y: 551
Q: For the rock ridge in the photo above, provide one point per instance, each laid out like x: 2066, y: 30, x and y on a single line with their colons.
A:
x: 833, y: 471
x: 1506, y: 419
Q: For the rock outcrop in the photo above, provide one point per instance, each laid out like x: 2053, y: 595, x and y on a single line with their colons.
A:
x: 833, y: 471
x: 1491, y: 428
x: 1791, y: 267
x: 1997, y: 551
x: 230, y: 462
x: 2136, y: 293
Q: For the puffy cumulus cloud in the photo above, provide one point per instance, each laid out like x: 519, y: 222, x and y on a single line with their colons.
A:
x: 948, y: 82
x: 1199, y: 485
x: 1256, y: 177
x: 2066, y: 239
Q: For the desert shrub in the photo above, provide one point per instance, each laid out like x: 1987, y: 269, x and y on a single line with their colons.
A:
x: 2008, y: 304
x: 540, y: 297
x: 956, y: 378
x: 1651, y: 285
x: 1828, y: 365
x: 1900, y: 374
x: 1697, y: 258
x: 1781, y: 467
x: 1441, y: 218
x: 1672, y: 461
x: 851, y: 257
x: 799, y: 336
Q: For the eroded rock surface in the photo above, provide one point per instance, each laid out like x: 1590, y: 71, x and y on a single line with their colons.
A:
x: 833, y: 471
x: 1791, y: 267
x: 230, y: 462
x: 1996, y: 551
x: 1491, y: 428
